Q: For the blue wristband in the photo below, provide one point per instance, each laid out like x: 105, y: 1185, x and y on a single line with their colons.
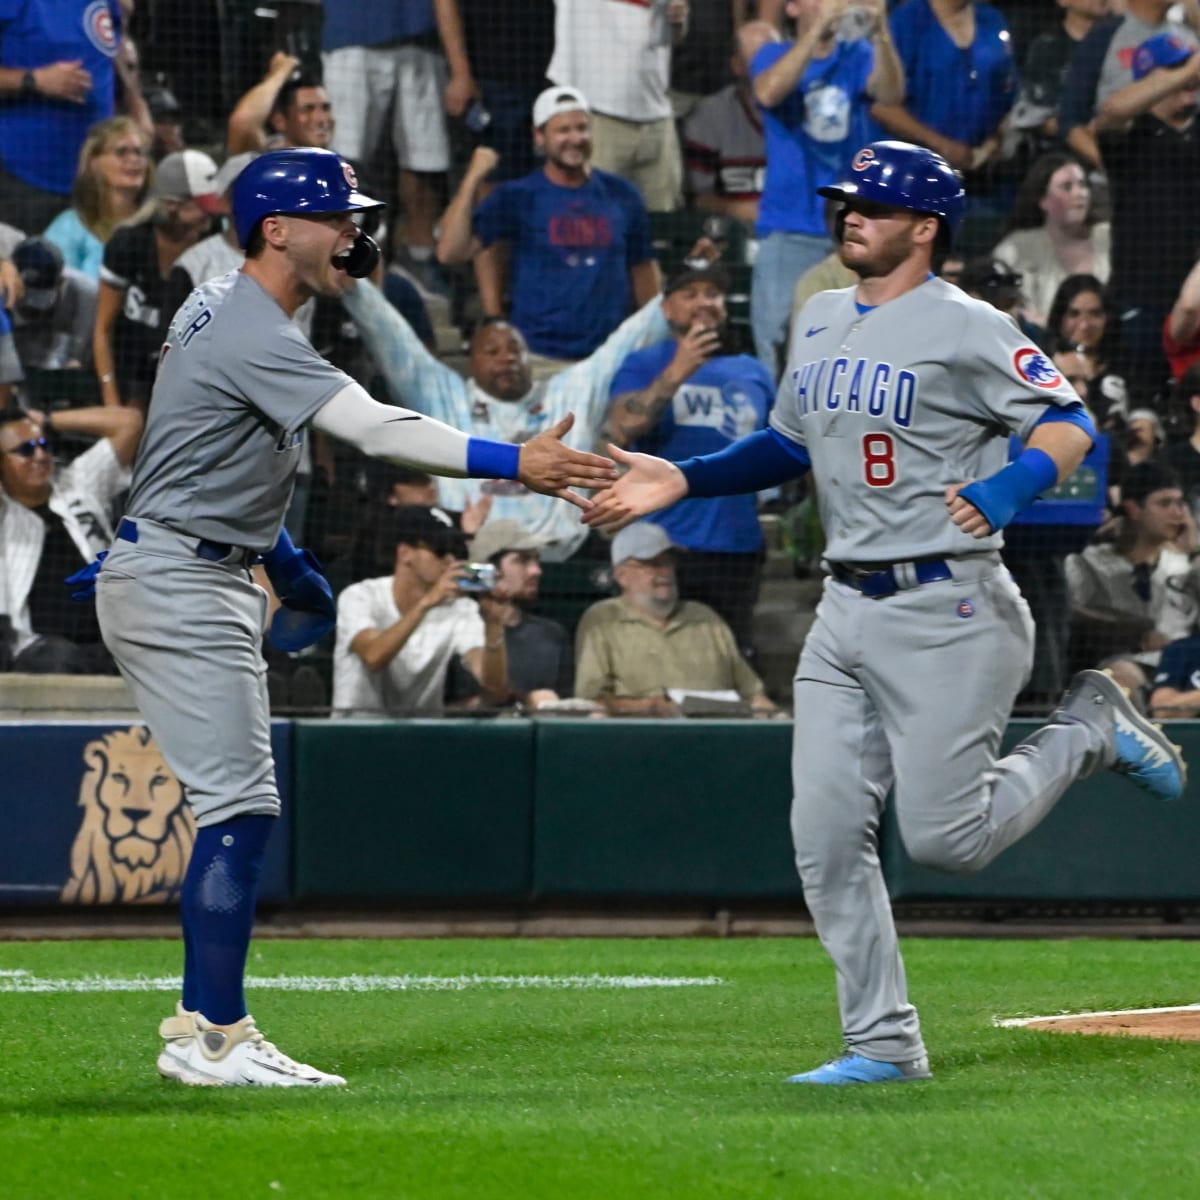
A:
x: 1017, y: 486
x: 492, y: 460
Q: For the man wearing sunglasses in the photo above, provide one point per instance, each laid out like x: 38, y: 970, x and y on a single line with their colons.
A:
x: 52, y: 522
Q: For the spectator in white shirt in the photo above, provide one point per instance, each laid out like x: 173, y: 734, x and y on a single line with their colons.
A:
x: 397, y: 634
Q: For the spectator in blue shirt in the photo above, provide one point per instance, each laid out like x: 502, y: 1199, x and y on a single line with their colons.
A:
x: 815, y: 94
x: 687, y: 396
x: 578, y: 238
x: 961, y: 82
x: 57, y: 72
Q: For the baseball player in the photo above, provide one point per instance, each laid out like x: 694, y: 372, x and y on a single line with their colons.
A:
x: 236, y: 387
x: 899, y: 395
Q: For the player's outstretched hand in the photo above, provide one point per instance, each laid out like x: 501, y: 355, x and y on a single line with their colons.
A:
x: 552, y: 468
x: 649, y: 484
x: 964, y: 514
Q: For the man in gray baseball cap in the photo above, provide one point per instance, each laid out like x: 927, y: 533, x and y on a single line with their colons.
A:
x: 635, y: 650
x: 541, y: 662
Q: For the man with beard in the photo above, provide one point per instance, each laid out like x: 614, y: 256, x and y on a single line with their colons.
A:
x: 687, y: 396
x: 636, y: 649
x: 900, y: 395
x: 541, y: 666
x: 577, y: 239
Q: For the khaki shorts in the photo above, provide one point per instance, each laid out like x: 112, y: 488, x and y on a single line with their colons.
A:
x: 367, y: 85
x: 644, y: 152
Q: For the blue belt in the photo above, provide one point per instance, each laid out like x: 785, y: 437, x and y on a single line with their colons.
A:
x: 879, y: 582
x: 127, y: 531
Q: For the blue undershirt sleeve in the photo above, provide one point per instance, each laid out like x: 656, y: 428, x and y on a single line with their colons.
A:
x: 1076, y: 414
x: 761, y: 460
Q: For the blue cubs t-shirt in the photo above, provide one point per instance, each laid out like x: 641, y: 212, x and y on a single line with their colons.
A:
x: 725, y: 400
x: 812, y: 135
x: 572, y: 249
x: 963, y: 94
x: 40, y: 137
x: 375, y: 22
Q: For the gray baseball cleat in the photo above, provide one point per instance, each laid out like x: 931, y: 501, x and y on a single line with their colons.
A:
x: 1138, y: 747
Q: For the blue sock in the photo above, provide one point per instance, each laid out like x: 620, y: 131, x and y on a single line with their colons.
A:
x: 218, y: 903
x: 191, y: 985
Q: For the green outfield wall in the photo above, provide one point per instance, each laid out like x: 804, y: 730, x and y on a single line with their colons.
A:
x: 521, y: 812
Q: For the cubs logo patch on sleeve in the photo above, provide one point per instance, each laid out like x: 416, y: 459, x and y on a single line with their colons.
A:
x: 1034, y: 367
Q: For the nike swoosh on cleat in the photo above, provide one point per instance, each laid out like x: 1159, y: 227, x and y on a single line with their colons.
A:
x: 391, y: 420
x: 815, y: 330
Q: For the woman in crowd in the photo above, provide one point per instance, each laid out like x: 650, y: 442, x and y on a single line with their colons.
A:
x: 1081, y: 330
x: 111, y: 184
x: 130, y: 311
x: 1052, y: 233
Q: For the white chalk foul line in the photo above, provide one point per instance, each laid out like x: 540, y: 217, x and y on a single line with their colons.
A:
x: 1018, y: 1022
x: 24, y: 983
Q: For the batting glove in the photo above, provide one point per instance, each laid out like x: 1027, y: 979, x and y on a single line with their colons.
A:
x: 307, y: 609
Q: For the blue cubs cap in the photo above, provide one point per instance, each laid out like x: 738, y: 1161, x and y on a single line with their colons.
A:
x: 902, y: 175
x: 1162, y: 50
x: 298, y: 180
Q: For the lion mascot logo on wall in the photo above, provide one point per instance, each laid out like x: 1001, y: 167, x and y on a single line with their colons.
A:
x: 137, y: 831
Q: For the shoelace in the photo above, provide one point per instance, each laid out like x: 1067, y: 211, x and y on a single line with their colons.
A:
x: 270, y: 1050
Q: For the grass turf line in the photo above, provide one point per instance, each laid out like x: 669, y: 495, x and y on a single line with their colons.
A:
x: 607, y: 1094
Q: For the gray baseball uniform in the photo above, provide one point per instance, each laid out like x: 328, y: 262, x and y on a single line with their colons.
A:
x: 913, y: 687
x: 236, y: 386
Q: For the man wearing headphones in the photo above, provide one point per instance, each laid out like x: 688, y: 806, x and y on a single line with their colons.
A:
x: 238, y: 384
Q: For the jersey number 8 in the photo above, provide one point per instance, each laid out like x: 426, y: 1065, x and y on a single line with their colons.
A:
x: 879, y: 460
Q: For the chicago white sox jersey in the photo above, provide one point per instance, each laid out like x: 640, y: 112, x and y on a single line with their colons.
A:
x: 237, y: 382
x: 895, y: 403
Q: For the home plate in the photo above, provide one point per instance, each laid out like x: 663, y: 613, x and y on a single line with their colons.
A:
x: 1179, y: 1024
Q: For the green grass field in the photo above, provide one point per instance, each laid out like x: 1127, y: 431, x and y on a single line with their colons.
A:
x: 613, y: 1092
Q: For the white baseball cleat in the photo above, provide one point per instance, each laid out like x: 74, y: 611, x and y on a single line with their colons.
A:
x: 205, y: 1055
x: 175, y: 1031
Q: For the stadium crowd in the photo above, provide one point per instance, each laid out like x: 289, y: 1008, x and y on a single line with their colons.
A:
x: 608, y: 209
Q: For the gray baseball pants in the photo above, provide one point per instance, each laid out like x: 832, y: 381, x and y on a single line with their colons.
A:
x: 186, y: 634
x: 913, y: 690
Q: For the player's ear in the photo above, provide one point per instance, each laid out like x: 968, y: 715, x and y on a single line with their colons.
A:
x: 274, y: 231
x: 926, y: 230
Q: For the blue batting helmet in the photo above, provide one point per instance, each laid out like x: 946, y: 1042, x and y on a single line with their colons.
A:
x: 904, y: 176
x: 298, y: 180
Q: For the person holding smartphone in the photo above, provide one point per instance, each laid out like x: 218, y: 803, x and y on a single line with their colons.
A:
x: 397, y: 634
x: 690, y: 394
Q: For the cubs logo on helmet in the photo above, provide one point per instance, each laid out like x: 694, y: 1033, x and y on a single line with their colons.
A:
x: 348, y: 172
x: 863, y: 159
x: 1034, y: 367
